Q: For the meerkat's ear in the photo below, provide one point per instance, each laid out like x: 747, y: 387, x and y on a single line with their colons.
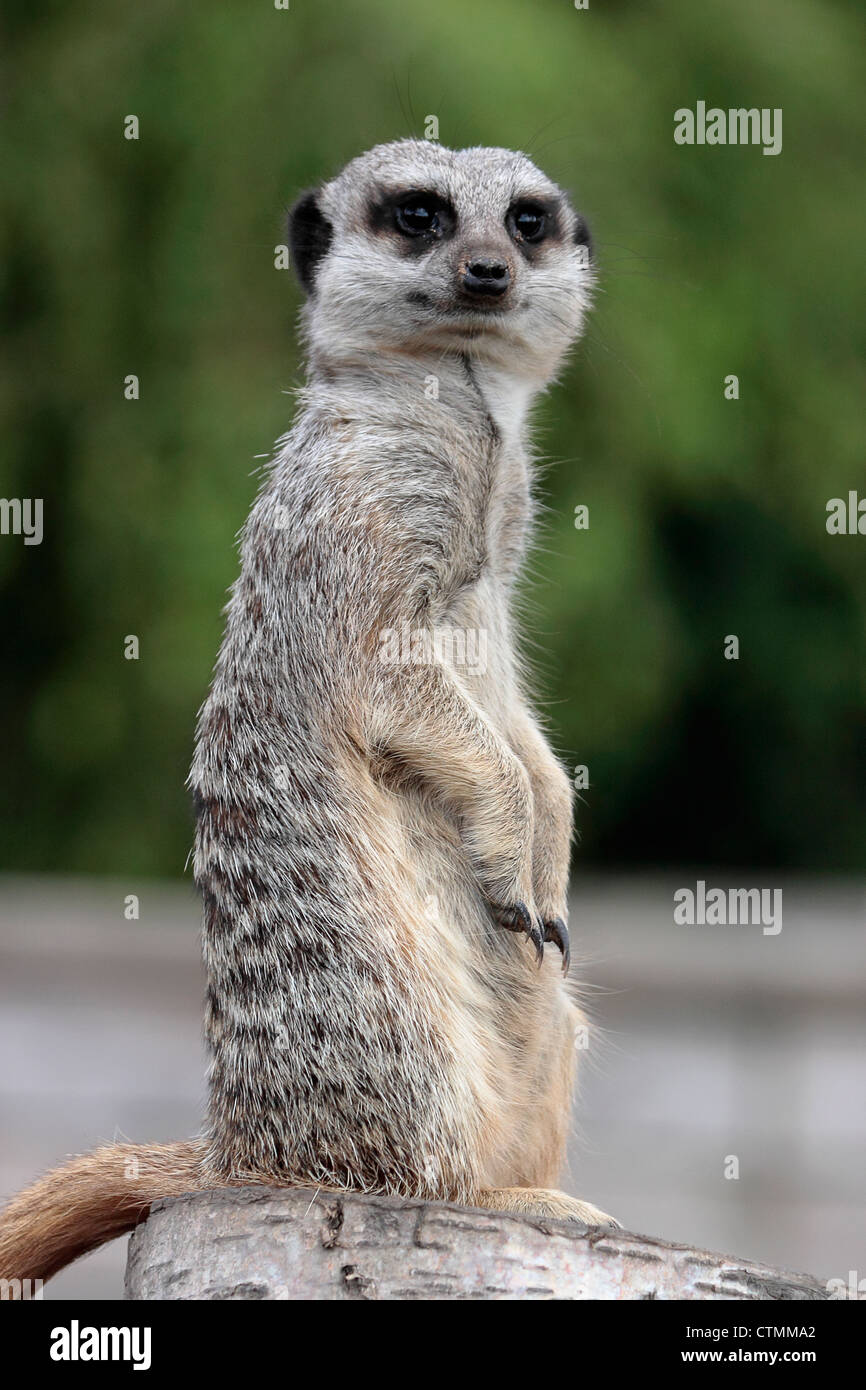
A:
x: 582, y: 235
x: 310, y: 235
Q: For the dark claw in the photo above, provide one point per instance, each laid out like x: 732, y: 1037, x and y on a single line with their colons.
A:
x: 557, y: 932
x: 537, y: 940
x: 517, y: 918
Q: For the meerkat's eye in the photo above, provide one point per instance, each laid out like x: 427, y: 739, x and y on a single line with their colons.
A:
x: 527, y: 222
x: 418, y: 216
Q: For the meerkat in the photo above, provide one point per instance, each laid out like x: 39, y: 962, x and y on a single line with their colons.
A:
x: 383, y: 833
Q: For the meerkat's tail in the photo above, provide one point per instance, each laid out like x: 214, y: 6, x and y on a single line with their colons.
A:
x: 90, y: 1200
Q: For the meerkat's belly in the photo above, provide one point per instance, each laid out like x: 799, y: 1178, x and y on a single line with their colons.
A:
x: 512, y: 1021
x: 509, y: 1018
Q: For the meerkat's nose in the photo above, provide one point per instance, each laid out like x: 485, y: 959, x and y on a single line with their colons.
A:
x: 486, y: 278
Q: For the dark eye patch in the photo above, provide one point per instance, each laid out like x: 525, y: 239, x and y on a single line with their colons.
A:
x: 417, y: 217
x: 531, y: 222
x: 527, y: 222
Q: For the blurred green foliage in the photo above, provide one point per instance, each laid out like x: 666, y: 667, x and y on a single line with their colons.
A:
x: 707, y: 516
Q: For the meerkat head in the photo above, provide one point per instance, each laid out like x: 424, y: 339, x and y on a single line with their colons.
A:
x: 414, y: 249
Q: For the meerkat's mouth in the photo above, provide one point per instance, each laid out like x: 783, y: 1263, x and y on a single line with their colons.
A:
x: 473, y: 311
x: 455, y: 318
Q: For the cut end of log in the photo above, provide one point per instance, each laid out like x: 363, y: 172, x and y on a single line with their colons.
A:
x: 299, y: 1244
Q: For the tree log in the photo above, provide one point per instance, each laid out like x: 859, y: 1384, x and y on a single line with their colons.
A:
x: 294, y: 1243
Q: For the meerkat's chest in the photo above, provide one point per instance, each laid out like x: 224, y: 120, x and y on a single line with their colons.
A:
x: 477, y: 624
x: 475, y: 640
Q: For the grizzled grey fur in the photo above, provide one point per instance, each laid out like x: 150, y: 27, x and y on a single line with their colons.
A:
x: 382, y: 839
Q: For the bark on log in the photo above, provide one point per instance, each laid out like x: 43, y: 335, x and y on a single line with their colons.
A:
x: 291, y: 1243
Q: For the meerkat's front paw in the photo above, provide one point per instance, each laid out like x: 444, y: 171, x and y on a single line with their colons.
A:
x: 556, y: 931
x: 517, y: 917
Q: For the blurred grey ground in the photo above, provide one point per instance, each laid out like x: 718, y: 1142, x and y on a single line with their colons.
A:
x: 717, y: 1041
